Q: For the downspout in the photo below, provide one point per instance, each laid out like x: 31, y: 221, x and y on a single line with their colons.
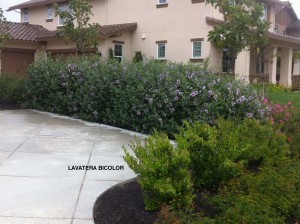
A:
x: 105, y: 12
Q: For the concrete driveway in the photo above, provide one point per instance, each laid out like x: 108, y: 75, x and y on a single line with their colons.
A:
x: 43, y: 173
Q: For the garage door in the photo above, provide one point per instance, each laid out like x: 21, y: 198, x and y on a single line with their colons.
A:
x: 16, y: 61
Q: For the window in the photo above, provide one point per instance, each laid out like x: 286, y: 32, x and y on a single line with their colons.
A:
x: 265, y: 11
x: 119, y: 52
x: 162, y: 1
x: 49, y: 12
x: 25, y: 16
x: 276, y: 29
x: 161, y: 50
x: 62, y: 8
x: 260, y: 63
x: 197, y: 49
x: 227, y: 62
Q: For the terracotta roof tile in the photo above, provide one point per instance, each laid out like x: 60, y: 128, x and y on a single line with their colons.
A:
x: 34, y: 3
x: 105, y: 31
x: 23, y: 31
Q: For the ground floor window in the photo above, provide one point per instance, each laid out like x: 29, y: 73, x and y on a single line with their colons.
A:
x: 227, y: 62
x: 197, y: 49
x: 119, y: 52
x: 161, y: 50
x: 260, y: 62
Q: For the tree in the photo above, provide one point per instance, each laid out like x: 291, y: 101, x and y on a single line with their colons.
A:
x: 76, y: 29
x: 242, y: 29
x: 4, y: 35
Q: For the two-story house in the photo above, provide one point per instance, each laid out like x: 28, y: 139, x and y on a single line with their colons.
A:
x: 163, y: 29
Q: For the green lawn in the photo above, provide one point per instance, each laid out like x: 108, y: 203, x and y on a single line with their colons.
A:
x: 284, y: 97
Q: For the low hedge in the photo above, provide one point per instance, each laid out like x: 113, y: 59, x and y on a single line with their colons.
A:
x: 12, y: 87
x: 138, y: 96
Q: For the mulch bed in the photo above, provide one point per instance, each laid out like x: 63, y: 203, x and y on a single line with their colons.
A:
x: 123, y: 204
x: 9, y: 105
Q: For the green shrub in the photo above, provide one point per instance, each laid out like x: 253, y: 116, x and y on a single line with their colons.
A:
x: 138, y: 57
x: 12, y: 88
x: 162, y: 172
x: 271, y: 196
x: 219, y: 153
x: 139, y: 96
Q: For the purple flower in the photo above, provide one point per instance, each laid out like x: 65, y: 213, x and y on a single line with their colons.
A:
x: 176, y: 98
x: 177, y: 91
x: 262, y: 112
x: 162, y: 76
x: 172, y: 110
x: 178, y: 82
x: 194, y: 93
x: 210, y: 93
x: 150, y: 100
x: 249, y: 115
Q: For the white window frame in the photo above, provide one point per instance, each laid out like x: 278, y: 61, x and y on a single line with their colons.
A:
x: 158, y: 46
x: 193, y: 49
x: 122, y: 56
x: 49, y: 16
x: 61, y: 7
x: 161, y: 2
x: 25, y: 12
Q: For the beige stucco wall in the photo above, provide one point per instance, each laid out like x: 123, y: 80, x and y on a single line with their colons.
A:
x: 178, y: 24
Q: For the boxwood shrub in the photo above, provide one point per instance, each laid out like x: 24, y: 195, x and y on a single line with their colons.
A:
x: 138, y: 96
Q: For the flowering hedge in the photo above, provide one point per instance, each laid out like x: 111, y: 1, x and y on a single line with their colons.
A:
x: 139, y: 96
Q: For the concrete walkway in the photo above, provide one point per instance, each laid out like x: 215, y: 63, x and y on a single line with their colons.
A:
x: 37, y: 154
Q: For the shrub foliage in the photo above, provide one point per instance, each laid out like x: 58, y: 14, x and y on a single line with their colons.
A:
x: 138, y: 96
x: 163, y: 172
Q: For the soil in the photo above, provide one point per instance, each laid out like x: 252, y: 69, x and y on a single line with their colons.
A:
x: 123, y: 204
x: 9, y: 105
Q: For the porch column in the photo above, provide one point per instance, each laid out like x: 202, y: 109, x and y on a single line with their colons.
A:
x: 242, y: 65
x: 296, y: 67
x: 286, y: 66
x: 272, y: 64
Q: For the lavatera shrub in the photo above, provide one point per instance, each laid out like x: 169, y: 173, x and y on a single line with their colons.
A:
x: 139, y: 96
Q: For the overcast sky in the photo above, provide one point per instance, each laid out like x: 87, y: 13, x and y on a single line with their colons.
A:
x: 15, y: 17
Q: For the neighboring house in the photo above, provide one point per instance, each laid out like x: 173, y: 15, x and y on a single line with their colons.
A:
x: 164, y: 29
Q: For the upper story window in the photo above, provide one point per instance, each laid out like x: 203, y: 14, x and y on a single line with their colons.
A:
x: 276, y: 29
x: 49, y: 12
x: 62, y: 8
x: 265, y: 12
x: 162, y: 3
x: 26, y: 16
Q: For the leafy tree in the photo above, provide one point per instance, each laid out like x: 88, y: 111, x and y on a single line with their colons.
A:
x: 77, y: 30
x: 4, y: 35
x: 243, y: 28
